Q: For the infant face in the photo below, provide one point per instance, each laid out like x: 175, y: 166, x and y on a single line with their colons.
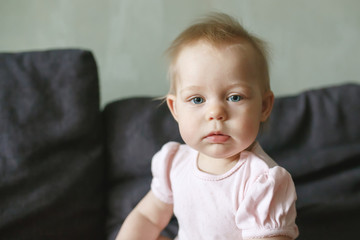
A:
x: 219, y: 98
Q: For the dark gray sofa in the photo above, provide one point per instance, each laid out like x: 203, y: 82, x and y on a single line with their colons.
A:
x: 70, y: 170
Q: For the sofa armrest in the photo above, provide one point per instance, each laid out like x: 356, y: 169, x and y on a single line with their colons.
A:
x: 51, y: 151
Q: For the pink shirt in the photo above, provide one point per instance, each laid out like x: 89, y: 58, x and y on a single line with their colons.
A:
x: 255, y: 199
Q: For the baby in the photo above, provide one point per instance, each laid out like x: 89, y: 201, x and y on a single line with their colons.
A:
x: 221, y: 184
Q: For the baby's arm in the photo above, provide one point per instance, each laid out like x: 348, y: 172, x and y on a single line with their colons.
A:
x: 147, y: 219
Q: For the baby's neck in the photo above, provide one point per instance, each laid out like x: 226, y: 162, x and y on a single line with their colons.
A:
x: 216, y: 166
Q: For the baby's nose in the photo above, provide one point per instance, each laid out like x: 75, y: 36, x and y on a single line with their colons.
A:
x: 216, y: 112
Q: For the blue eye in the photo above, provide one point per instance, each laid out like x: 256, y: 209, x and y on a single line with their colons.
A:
x: 235, y: 98
x: 197, y: 100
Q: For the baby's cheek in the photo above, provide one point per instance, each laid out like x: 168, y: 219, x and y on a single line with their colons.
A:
x: 185, y: 131
x: 248, y: 127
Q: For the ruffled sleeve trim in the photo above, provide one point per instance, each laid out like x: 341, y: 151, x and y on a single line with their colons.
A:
x: 291, y: 232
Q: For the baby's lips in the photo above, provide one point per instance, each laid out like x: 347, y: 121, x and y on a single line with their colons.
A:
x: 217, y: 138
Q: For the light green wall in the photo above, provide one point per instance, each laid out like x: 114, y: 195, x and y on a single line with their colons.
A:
x: 314, y: 42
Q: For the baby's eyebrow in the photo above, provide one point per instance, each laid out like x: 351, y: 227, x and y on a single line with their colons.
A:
x: 197, y: 88
x: 190, y: 89
x: 240, y: 85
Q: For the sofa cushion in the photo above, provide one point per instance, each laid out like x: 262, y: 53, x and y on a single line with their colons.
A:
x: 51, y: 168
x: 315, y: 135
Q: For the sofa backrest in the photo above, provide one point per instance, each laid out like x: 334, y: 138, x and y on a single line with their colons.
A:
x: 316, y: 137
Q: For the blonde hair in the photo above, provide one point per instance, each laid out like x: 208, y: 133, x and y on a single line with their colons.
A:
x: 217, y: 29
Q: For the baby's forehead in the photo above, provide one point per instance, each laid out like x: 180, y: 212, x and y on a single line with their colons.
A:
x: 237, y: 55
x: 241, y: 48
x: 242, y: 55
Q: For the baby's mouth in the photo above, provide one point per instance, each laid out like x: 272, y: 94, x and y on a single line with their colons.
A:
x: 217, y: 137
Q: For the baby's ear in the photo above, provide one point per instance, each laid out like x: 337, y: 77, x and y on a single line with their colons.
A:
x: 267, y: 105
x: 171, y: 102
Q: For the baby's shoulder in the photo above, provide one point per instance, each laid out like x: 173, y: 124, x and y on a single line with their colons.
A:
x: 167, y: 152
x: 172, y: 151
x: 170, y: 147
x: 259, y: 158
x: 174, y: 148
x: 260, y: 167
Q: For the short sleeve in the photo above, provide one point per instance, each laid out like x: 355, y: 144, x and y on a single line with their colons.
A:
x: 160, y: 167
x: 268, y: 208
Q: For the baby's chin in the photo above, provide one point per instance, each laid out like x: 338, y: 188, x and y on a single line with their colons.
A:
x: 230, y: 150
